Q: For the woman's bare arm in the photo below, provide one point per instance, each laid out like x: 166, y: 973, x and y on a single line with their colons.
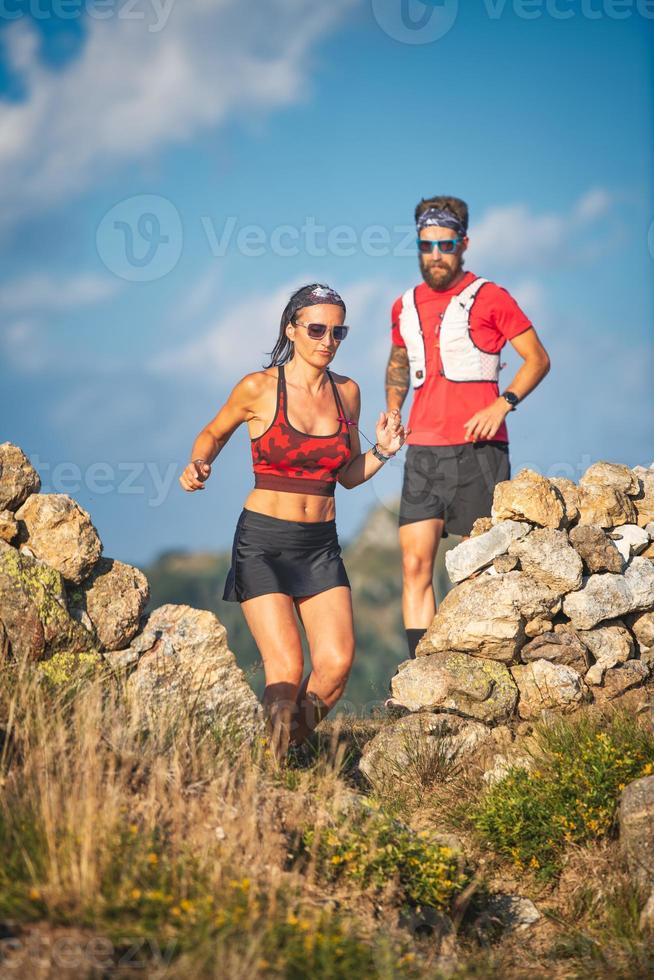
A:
x: 239, y: 408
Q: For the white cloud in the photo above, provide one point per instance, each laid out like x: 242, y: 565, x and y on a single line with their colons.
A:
x: 51, y: 294
x: 132, y: 91
x: 240, y: 338
x: 514, y: 236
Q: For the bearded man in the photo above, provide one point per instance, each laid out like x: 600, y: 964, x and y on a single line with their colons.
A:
x: 447, y: 335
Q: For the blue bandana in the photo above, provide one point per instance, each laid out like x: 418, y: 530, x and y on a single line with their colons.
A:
x: 442, y: 218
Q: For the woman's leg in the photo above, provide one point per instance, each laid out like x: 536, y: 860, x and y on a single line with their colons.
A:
x: 327, y: 619
x: 272, y: 622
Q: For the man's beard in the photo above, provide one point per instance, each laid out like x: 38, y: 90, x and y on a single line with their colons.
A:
x: 440, y: 278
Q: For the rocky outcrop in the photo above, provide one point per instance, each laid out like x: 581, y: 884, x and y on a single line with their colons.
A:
x: 61, y: 602
x: 180, y: 663
x: 556, y: 589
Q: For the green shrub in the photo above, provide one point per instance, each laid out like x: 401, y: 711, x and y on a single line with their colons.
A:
x: 383, y: 849
x: 570, y: 795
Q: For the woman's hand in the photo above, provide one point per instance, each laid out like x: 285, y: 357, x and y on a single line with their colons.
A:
x: 194, y: 476
x: 390, y: 432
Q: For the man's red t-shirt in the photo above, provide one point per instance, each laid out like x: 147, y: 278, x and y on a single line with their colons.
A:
x: 440, y: 408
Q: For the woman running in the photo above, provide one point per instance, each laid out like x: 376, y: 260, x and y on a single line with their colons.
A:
x: 302, y: 421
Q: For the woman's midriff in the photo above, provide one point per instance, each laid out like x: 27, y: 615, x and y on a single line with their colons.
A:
x: 291, y: 506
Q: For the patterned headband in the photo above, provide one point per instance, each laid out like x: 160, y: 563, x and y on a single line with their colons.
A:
x: 442, y: 218
x: 311, y: 296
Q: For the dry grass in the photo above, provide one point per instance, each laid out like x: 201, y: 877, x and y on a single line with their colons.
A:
x: 182, y: 847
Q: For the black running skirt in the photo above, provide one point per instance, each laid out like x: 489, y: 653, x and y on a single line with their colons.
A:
x: 298, y: 558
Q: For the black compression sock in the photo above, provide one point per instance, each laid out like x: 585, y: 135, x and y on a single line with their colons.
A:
x: 413, y: 637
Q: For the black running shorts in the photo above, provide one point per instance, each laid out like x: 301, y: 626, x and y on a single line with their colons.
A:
x: 455, y: 483
x: 298, y: 558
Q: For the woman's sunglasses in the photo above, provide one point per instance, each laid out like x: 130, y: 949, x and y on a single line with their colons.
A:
x: 445, y: 245
x: 318, y: 330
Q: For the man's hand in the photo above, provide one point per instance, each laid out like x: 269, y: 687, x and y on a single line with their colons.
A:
x: 194, y: 476
x: 485, y: 423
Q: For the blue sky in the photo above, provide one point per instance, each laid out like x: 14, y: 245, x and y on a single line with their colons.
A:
x: 319, y: 126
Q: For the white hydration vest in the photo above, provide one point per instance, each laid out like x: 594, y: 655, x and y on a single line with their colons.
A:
x: 462, y: 360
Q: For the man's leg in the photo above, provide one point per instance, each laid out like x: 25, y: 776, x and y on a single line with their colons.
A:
x: 419, y: 542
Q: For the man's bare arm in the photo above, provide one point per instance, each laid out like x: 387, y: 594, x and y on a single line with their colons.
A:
x: 398, y: 377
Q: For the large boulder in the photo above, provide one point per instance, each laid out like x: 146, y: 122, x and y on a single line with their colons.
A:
x: 605, y: 506
x: 528, y: 497
x: 610, y: 645
x: 18, y: 478
x: 180, y: 663
x: 33, y: 609
x: 545, y: 686
x: 636, y: 817
x: 111, y: 601
x: 598, y: 552
x: 487, y: 616
x: 57, y: 530
x: 547, y: 557
x: 609, y: 596
x: 615, y: 475
x: 561, y: 646
x: 415, y: 737
x: 467, y: 686
x: 479, y: 551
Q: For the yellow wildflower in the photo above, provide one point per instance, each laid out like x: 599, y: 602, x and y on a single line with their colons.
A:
x: 152, y: 858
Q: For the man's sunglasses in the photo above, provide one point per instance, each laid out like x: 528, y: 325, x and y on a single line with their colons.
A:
x: 318, y: 330
x: 445, y: 245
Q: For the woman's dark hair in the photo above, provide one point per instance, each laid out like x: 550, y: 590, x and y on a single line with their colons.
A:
x: 282, y: 352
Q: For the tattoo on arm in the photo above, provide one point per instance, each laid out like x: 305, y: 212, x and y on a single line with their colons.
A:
x: 397, y: 376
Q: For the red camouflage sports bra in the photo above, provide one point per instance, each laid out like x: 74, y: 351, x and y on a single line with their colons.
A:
x: 286, y: 459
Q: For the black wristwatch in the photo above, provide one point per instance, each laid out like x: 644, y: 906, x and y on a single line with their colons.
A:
x: 511, y: 398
